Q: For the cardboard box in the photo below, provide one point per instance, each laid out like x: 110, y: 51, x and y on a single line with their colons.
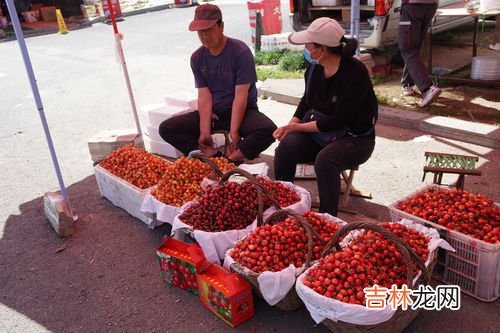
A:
x: 228, y: 295
x: 105, y: 142
x: 48, y: 14
x: 179, y: 263
x: 31, y: 16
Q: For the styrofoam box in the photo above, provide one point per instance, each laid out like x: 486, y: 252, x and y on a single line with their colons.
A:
x: 475, y: 266
x: 154, y: 114
x: 161, y: 147
x: 274, y: 42
x: 154, y: 134
x: 183, y: 98
x: 327, y: 3
x: 121, y: 193
x: 144, y: 111
x: 156, y: 117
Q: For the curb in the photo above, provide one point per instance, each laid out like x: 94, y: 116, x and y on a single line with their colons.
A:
x: 476, y: 133
x: 147, y: 10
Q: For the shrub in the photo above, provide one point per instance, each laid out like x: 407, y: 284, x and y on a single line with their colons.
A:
x: 259, y: 58
x: 292, y: 61
x: 269, y: 57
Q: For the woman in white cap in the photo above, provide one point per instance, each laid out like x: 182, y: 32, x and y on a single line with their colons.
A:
x: 334, y: 124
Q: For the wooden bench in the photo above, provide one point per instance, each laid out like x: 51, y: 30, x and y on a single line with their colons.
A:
x: 441, y: 163
x: 306, y: 171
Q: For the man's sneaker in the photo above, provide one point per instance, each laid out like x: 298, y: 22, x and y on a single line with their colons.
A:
x: 409, y: 91
x: 430, y: 96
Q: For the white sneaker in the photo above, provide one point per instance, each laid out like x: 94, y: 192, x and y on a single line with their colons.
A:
x: 430, y: 96
x: 408, y: 91
x: 495, y: 46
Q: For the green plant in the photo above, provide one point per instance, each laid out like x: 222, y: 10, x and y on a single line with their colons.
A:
x: 264, y: 73
x: 269, y: 57
x: 380, y: 78
x: 273, y: 57
x: 381, y: 99
x: 292, y: 61
x: 259, y: 58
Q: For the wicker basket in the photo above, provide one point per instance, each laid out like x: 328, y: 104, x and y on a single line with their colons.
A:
x: 291, y: 301
x: 260, y: 191
x: 401, y: 318
x: 217, y: 173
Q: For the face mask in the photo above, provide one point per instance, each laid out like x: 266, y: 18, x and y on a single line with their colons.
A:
x: 307, y: 55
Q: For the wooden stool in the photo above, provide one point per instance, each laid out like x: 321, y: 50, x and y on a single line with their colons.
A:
x: 348, y: 178
x: 306, y: 171
x: 440, y: 163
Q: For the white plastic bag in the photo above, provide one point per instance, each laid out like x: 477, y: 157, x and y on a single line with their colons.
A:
x: 257, y: 169
x: 274, y: 286
x: 321, y: 307
x: 164, y: 213
x: 300, y: 207
x: 213, y: 244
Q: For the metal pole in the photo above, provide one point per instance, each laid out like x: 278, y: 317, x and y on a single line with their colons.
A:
x: 121, y: 55
x: 258, y: 31
x: 355, y: 9
x: 36, y: 93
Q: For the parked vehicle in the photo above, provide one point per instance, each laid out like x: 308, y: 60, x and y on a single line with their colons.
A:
x: 379, y: 19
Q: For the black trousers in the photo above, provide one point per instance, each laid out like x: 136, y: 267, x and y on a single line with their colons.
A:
x: 256, y: 130
x: 329, y: 162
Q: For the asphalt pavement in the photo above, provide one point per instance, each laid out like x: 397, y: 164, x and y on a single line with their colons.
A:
x: 105, y: 278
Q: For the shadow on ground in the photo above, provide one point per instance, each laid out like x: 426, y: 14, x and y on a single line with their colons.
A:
x: 106, y: 277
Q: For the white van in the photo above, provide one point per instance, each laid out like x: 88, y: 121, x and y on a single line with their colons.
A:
x: 378, y: 19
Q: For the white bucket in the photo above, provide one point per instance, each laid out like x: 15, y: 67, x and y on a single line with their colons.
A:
x: 486, y: 5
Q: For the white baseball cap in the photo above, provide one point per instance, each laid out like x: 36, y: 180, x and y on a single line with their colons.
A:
x: 323, y: 31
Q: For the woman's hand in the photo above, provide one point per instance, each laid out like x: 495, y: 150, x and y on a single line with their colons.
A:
x: 281, y: 132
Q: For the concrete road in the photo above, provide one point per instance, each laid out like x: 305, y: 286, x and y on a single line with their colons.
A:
x: 83, y: 89
x: 105, y: 278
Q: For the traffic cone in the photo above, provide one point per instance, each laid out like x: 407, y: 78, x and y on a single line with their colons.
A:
x: 60, y: 22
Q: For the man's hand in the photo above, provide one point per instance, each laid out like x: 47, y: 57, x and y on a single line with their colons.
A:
x: 206, y: 144
x: 235, y: 140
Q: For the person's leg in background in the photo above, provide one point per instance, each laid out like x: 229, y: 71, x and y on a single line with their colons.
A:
x: 336, y: 157
x: 496, y: 37
x: 414, y: 23
x: 294, y: 148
